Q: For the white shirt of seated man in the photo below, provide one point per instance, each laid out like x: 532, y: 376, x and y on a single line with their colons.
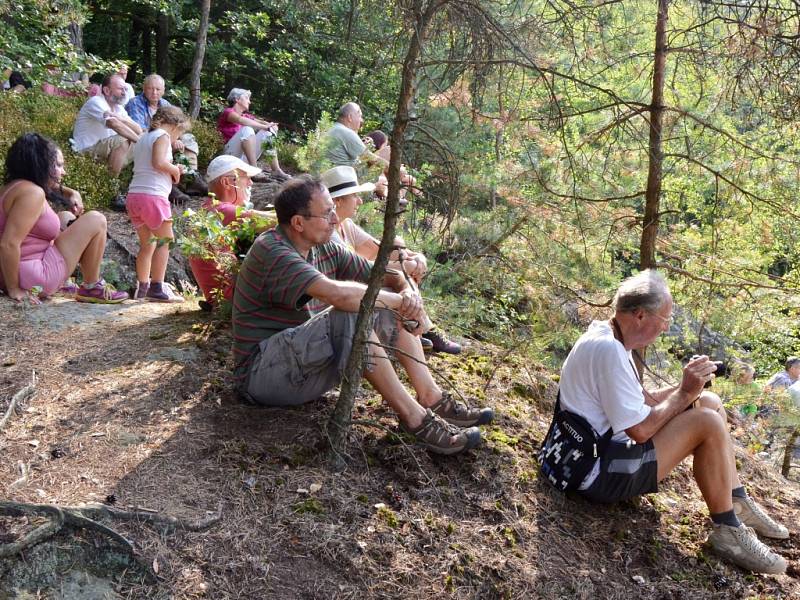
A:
x: 599, y: 383
x: 90, y: 125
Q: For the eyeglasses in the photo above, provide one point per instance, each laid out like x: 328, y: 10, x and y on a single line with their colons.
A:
x: 667, y: 320
x: 329, y: 216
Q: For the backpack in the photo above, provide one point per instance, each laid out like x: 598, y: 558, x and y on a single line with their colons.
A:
x: 570, y: 449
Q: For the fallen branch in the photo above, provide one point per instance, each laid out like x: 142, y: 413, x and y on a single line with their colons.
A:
x: 20, y: 396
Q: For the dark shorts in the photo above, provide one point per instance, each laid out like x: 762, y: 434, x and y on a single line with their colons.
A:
x: 624, y: 473
x: 300, y: 364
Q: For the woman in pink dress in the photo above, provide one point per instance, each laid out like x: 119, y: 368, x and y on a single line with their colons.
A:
x: 245, y: 135
x: 36, y: 257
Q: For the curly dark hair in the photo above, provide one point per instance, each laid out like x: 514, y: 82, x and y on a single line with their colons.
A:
x: 295, y: 197
x: 32, y: 157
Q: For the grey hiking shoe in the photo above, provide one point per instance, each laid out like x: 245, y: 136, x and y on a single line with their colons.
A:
x: 459, y: 414
x: 752, y: 515
x: 741, y: 546
x: 438, y: 436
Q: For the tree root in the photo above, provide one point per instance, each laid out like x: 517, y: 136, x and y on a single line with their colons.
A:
x: 85, y: 517
x: 20, y: 396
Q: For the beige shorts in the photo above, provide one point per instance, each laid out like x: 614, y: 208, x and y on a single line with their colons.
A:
x: 103, y: 149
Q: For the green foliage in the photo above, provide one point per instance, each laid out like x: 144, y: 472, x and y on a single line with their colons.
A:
x: 311, y: 157
x: 209, y: 140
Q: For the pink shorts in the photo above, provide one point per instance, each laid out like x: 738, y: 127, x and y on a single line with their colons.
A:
x: 49, y: 271
x: 149, y: 210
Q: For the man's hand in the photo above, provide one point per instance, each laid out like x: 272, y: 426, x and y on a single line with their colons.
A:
x: 695, y: 374
x: 410, y: 307
x: 77, y: 203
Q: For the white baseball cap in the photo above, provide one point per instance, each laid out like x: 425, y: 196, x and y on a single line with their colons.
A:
x: 224, y: 164
x: 342, y: 181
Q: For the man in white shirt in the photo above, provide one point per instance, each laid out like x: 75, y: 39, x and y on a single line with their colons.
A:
x: 656, y: 430
x: 103, y: 129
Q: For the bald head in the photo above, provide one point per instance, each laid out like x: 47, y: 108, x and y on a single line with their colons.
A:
x: 350, y: 116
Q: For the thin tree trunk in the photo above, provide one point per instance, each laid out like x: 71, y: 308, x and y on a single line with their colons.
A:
x: 76, y: 36
x: 647, y: 249
x: 197, y: 63
x: 162, y: 45
x: 339, y: 423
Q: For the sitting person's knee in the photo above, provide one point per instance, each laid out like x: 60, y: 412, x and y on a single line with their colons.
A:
x: 247, y: 132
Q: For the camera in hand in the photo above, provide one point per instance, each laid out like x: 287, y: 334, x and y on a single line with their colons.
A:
x: 719, y: 370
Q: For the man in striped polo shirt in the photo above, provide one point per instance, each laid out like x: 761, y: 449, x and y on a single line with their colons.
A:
x: 294, y: 313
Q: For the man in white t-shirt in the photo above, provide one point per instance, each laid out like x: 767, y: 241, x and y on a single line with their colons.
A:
x: 656, y: 430
x: 103, y: 129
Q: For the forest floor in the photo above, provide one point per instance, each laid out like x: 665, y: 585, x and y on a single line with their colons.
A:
x: 133, y: 407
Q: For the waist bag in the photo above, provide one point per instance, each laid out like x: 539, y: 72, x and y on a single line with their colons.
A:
x: 570, y: 449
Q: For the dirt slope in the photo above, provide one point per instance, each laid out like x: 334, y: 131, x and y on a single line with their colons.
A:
x: 133, y: 405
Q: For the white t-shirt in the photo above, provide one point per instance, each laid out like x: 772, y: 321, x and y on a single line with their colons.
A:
x: 146, y: 179
x: 90, y: 126
x: 599, y: 383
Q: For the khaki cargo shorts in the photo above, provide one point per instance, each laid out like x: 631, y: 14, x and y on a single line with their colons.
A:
x: 300, y: 364
x: 103, y: 149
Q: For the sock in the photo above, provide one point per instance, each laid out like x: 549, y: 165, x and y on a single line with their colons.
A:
x: 739, y: 492
x: 88, y: 286
x: 726, y: 518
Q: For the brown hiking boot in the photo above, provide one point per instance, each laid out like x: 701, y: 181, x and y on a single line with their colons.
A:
x: 459, y: 414
x: 438, y: 436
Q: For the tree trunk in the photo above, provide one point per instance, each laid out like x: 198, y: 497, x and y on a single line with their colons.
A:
x: 162, y: 45
x: 76, y: 36
x: 788, y: 452
x: 147, y: 50
x: 197, y: 63
x: 647, y: 249
x: 339, y: 423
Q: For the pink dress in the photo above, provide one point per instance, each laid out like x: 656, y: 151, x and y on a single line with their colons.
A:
x: 40, y: 262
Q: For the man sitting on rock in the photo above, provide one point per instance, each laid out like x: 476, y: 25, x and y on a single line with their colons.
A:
x: 230, y: 185
x: 343, y: 147
x: 141, y: 109
x: 289, y: 350
x: 104, y: 130
x: 654, y: 431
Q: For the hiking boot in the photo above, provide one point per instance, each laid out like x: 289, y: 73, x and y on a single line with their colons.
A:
x: 197, y: 186
x: 459, y: 414
x: 118, y: 203
x: 177, y: 197
x: 752, y: 515
x: 438, y: 436
x: 741, y: 546
x: 440, y: 342
x: 141, y: 290
x: 100, y: 293
x: 161, y: 292
x: 427, y: 345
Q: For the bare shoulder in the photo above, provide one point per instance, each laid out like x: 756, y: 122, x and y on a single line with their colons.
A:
x: 22, y: 195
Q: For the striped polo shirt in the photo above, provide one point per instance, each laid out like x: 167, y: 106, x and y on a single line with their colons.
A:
x: 271, y: 289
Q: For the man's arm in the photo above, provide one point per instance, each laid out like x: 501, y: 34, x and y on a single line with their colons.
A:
x: 124, y: 127
x: 695, y: 374
x: 347, y: 295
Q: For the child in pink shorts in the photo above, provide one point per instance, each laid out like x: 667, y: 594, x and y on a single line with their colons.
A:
x: 148, y: 202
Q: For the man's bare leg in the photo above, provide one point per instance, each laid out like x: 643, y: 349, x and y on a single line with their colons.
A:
x: 412, y: 358
x: 116, y: 160
x: 712, y: 401
x: 700, y: 432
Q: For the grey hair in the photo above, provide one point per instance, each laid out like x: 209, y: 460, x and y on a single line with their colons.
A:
x: 237, y: 93
x: 154, y: 77
x: 646, y: 291
x: 791, y: 361
x: 347, y: 110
